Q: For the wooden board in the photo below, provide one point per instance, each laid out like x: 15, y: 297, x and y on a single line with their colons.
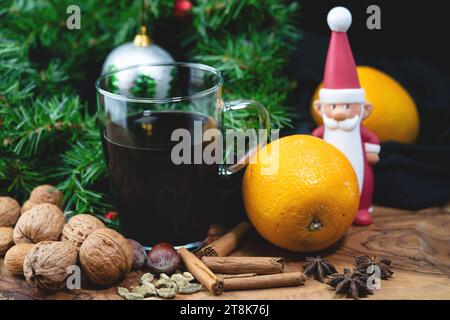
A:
x: 418, y: 274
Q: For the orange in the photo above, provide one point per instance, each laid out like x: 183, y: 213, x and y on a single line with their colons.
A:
x: 395, y: 116
x: 309, y: 202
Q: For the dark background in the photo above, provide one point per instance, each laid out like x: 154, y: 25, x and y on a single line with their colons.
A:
x: 411, y: 47
x: 410, y: 29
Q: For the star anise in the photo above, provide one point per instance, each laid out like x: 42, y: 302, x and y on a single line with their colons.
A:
x: 364, y: 262
x: 318, y: 268
x: 351, y: 283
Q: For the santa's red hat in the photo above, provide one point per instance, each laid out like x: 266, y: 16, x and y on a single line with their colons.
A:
x: 341, y: 83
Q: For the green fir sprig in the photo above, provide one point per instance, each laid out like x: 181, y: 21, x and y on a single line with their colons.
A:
x: 47, y: 134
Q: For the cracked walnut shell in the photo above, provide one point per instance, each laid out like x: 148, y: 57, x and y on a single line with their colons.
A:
x: 105, y: 256
x: 46, y: 194
x: 6, y: 239
x: 79, y: 228
x: 15, y: 256
x: 46, y: 266
x: 42, y: 222
x: 9, y: 212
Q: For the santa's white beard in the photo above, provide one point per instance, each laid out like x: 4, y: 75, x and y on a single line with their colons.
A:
x: 346, y: 136
x: 346, y: 125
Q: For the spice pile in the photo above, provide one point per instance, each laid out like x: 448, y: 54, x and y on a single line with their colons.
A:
x: 353, y: 283
x: 165, y: 287
x: 40, y: 245
x: 240, y: 273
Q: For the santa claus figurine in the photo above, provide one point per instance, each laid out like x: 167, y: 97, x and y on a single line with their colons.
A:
x: 342, y: 106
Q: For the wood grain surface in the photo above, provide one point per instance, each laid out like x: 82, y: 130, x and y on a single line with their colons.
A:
x: 420, y: 272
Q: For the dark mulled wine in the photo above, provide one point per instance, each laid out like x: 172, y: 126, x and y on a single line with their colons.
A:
x: 157, y: 200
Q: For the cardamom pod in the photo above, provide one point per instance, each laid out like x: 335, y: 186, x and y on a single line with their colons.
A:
x: 188, y: 276
x: 190, y: 288
x: 148, y: 290
x: 134, y: 296
x: 180, y: 280
x: 166, y: 293
x: 147, y: 277
x: 121, y: 291
x: 164, y: 276
x: 165, y: 283
x: 136, y: 289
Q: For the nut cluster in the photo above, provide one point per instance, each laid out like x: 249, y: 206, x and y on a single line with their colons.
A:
x: 38, y: 244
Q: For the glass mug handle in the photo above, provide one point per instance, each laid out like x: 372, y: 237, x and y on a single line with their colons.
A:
x: 254, y: 107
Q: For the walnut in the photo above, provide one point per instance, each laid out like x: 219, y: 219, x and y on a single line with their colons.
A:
x: 15, y: 256
x: 6, y: 239
x: 46, y: 266
x: 27, y: 205
x: 105, y: 256
x: 42, y: 222
x: 79, y: 227
x: 46, y: 194
x: 9, y: 212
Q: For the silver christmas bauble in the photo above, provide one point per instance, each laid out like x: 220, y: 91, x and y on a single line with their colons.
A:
x: 141, y: 51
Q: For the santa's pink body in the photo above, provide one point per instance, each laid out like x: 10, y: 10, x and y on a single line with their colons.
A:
x: 365, y: 201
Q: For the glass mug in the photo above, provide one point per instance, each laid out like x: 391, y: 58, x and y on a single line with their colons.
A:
x: 140, y: 107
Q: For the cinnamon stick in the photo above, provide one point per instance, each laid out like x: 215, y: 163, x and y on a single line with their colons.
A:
x: 223, y: 246
x: 240, y: 275
x: 287, y: 279
x: 237, y: 265
x: 201, y: 272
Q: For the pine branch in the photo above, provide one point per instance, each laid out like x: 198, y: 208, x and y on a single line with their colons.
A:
x: 47, y: 121
x: 82, y: 166
x: 253, y: 57
x: 19, y: 176
x: 46, y: 135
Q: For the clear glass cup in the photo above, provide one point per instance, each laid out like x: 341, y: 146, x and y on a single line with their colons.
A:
x: 140, y: 109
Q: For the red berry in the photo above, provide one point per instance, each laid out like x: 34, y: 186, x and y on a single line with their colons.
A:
x: 163, y: 258
x: 182, y: 7
x: 110, y: 215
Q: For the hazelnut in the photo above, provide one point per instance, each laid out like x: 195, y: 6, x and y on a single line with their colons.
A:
x: 163, y: 258
x: 46, y: 265
x: 105, y: 256
x: 46, y: 194
x: 9, y: 212
x: 42, y: 222
x: 27, y: 205
x: 79, y: 227
x: 139, y: 255
x: 6, y: 239
x: 15, y: 256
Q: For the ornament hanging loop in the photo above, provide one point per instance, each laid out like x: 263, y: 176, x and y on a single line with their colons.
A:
x: 142, y: 39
